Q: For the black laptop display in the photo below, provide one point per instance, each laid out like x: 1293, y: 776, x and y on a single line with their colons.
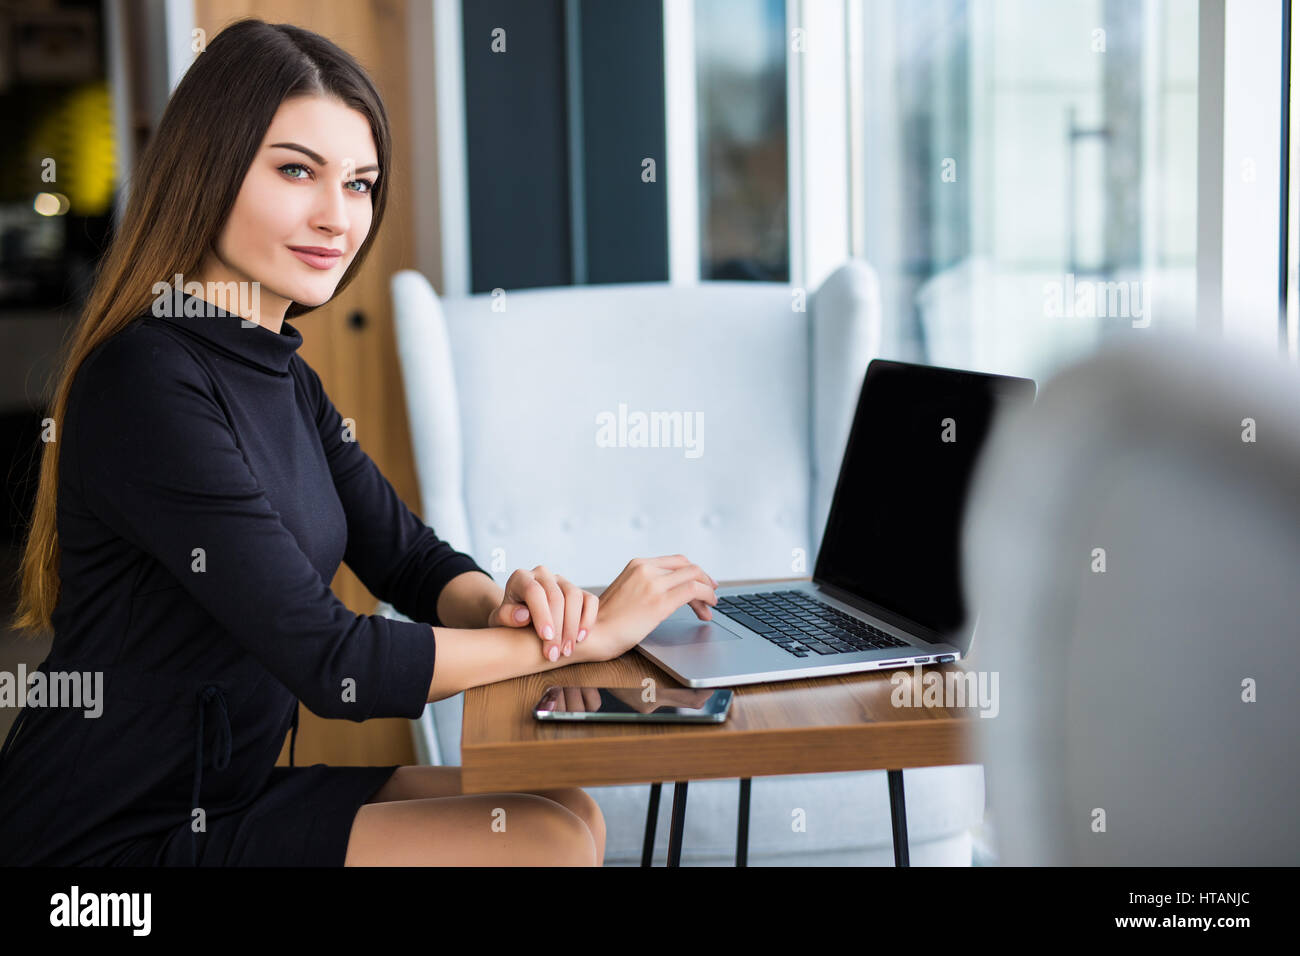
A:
x: 893, y: 533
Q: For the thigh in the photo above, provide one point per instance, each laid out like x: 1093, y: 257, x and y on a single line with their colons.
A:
x: 493, y: 829
x: 418, y: 782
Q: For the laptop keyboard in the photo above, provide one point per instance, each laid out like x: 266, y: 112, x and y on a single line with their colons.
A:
x: 801, y: 625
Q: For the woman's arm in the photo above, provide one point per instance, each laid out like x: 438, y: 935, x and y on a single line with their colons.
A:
x: 467, y: 600
x: 397, y: 556
x: 648, y: 590
x: 467, y: 658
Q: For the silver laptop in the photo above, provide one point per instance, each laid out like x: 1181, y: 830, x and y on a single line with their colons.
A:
x: 885, y: 591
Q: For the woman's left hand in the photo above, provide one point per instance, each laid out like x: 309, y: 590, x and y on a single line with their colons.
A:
x: 561, y: 612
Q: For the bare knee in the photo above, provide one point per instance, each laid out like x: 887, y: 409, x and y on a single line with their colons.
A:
x: 582, y: 805
x: 560, y: 835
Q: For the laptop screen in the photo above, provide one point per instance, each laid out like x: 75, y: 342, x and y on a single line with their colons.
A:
x: 893, y: 532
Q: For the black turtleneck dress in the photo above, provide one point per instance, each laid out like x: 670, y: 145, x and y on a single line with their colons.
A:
x: 208, y: 490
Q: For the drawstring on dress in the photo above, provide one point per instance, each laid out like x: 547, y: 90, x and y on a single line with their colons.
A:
x: 220, y: 762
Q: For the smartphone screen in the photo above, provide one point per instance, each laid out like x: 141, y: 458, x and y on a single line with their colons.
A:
x: 670, y: 704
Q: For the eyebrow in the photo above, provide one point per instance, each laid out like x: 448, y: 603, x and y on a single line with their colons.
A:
x: 316, y: 157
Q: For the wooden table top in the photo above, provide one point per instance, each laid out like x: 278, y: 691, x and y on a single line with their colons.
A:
x: 841, y: 723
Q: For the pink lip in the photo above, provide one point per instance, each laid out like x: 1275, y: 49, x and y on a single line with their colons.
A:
x: 317, y: 257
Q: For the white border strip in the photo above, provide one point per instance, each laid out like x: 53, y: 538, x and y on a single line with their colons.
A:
x: 681, y: 143
x: 819, y: 77
x: 855, y: 104
x: 178, y: 22
x: 453, y: 163
x: 1252, y: 146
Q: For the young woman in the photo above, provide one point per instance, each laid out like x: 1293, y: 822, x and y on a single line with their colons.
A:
x: 198, y: 491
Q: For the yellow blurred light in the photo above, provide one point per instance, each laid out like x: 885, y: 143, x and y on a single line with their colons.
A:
x: 78, y: 134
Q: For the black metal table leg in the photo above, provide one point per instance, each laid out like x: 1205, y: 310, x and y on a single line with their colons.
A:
x: 898, y: 816
x: 651, y: 819
x: 679, y: 821
x: 742, y: 825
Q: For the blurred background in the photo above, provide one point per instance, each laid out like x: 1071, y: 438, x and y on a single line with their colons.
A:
x: 983, y: 156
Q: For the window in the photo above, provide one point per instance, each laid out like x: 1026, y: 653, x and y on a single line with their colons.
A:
x: 1030, y: 175
x: 741, y: 118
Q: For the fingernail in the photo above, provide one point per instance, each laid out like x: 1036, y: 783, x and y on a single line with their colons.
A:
x: 582, y: 634
x: 568, y: 650
x: 520, y: 614
x: 548, y: 632
x: 554, y: 654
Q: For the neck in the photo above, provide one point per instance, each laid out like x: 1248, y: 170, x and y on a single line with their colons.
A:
x: 250, y: 302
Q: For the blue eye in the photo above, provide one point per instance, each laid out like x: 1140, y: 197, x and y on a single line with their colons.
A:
x: 370, y: 187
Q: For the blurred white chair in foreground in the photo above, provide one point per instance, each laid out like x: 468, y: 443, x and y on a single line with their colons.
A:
x: 1158, y: 698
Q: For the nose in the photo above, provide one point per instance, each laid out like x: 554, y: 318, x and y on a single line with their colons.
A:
x: 330, y: 214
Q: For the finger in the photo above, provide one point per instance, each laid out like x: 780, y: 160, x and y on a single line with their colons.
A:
x: 668, y: 561
x: 590, y: 605
x: 702, y: 610
x: 513, y: 594
x: 555, y: 607
x: 511, y: 614
x: 572, y: 612
x: 675, y: 561
x: 514, y: 611
x: 573, y: 700
x: 591, y: 697
x: 691, y: 572
x: 692, y: 588
x: 540, y: 608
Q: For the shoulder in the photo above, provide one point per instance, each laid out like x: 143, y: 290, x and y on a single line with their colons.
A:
x: 145, y: 352
x: 146, y: 375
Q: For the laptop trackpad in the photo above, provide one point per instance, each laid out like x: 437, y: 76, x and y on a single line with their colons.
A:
x: 674, y: 633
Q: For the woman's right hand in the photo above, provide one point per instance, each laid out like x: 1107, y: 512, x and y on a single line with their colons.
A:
x: 639, y: 599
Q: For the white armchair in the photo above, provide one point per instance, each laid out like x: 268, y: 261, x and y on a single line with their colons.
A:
x: 504, y: 395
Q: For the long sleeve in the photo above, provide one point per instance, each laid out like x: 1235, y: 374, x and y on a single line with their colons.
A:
x: 160, y: 465
x: 395, y: 554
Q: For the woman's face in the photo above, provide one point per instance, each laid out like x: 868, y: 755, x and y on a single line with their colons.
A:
x: 308, y: 186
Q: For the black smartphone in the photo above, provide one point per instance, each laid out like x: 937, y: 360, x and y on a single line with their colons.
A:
x: 636, y: 704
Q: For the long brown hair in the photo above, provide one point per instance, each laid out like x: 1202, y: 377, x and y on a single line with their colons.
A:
x: 183, y: 189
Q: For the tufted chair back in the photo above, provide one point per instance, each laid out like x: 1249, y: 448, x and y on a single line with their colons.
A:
x: 579, y: 427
